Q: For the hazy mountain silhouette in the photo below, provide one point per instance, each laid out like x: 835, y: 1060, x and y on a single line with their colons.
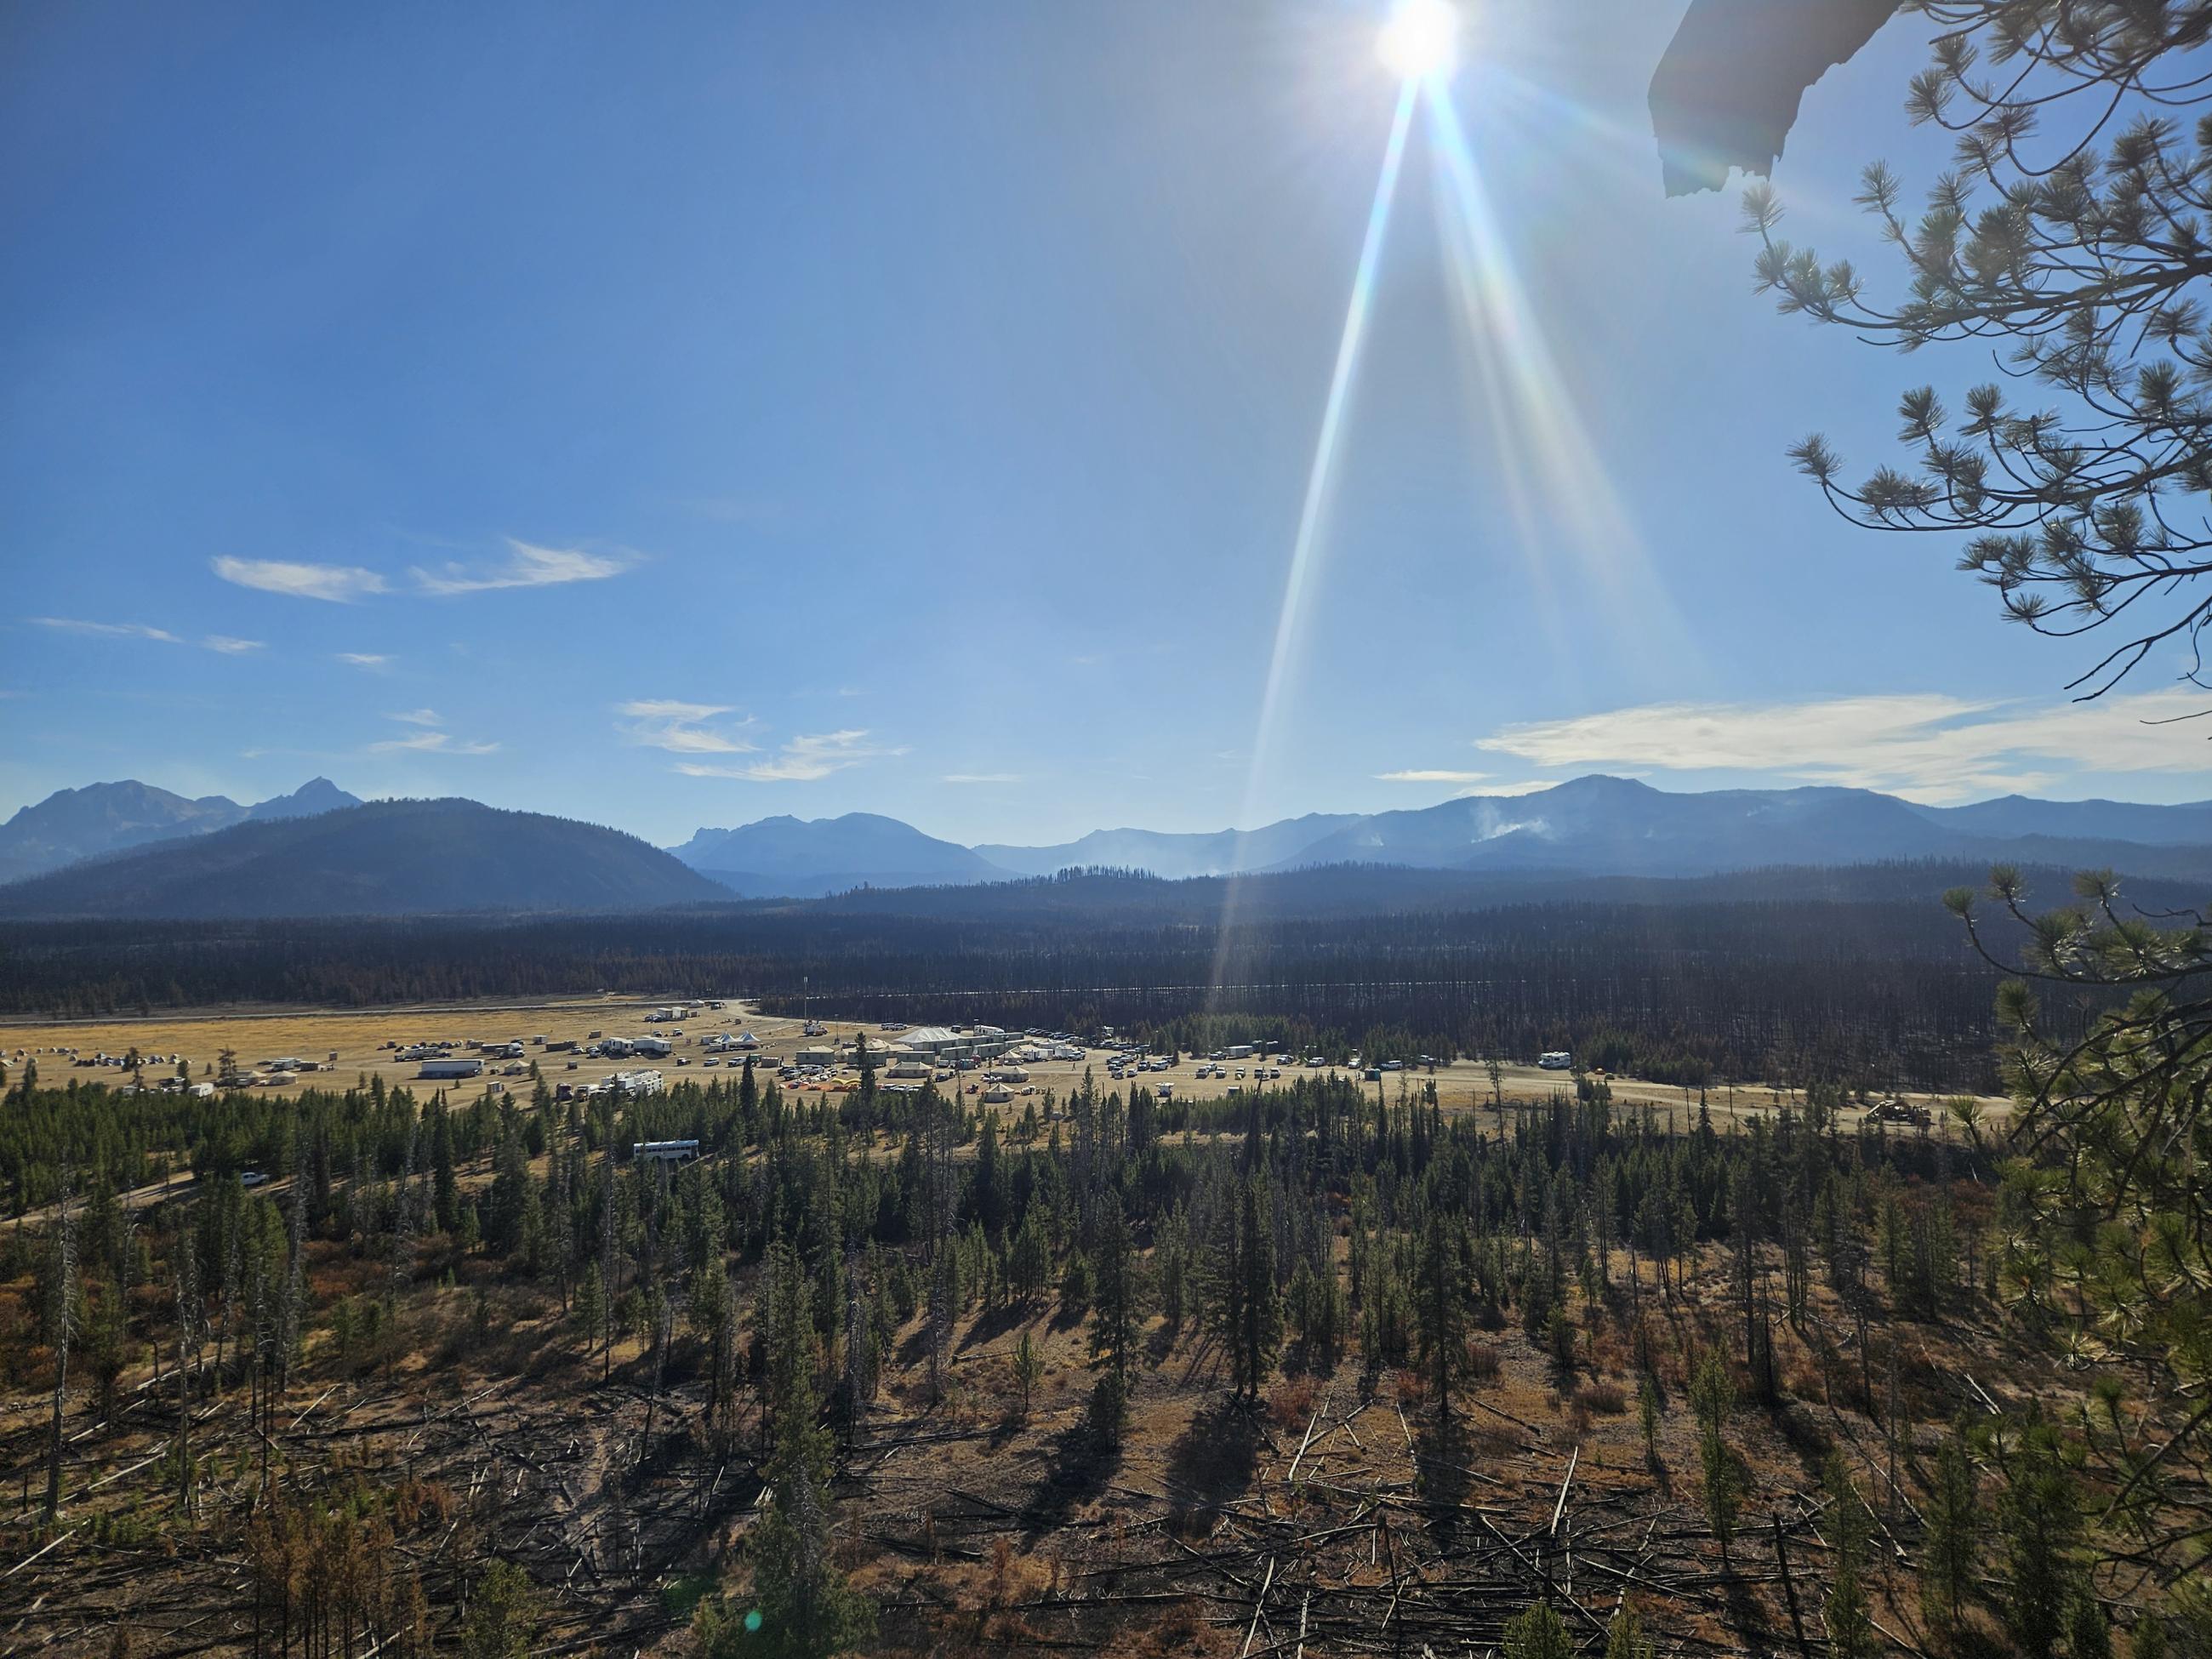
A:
x: 1592, y: 827
x: 106, y: 818
x: 789, y: 857
x: 387, y: 858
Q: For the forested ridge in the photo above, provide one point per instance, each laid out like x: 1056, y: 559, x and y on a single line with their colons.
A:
x: 1788, y: 985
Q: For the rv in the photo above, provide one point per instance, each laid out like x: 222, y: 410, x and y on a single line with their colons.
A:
x: 447, y: 1071
x: 1555, y: 1060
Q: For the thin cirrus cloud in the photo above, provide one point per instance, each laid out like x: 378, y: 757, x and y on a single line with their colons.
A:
x: 526, y: 566
x: 364, y: 658
x: 1428, y: 774
x: 1929, y: 746
x: 982, y: 777
x: 802, y: 760
x: 686, y: 728
x: 429, y: 739
x: 337, y: 584
x: 222, y: 644
x: 432, y: 743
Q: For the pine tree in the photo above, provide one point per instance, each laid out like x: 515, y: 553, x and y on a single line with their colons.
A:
x: 1625, y: 1638
x: 1712, y: 1396
x: 1845, y: 1613
x: 502, y: 1615
x: 1536, y: 1633
x: 1114, y: 1291
x: 1441, y: 1277
x: 1244, y: 1303
x: 62, y: 1302
x: 2036, y: 1518
x: 1029, y: 1371
x: 806, y: 1609
x: 1949, y: 1551
x: 590, y: 1314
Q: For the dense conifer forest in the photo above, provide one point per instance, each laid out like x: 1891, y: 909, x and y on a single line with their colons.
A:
x: 1793, y: 981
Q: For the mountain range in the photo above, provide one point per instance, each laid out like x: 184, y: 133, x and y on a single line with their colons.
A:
x: 71, y: 824
x: 1592, y: 826
x: 129, y: 850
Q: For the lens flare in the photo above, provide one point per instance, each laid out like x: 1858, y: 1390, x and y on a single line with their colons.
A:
x: 1318, y: 479
x: 1322, y: 474
x: 1544, y: 449
x: 1421, y: 40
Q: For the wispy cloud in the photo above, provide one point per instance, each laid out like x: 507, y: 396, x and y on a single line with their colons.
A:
x: 802, y: 760
x: 364, y: 658
x: 1525, y: 787
x: 682, y: 728
x: 429, y: 740
x: 222, y: 643
x: 1429, y: 776
x: 432, y: 743
x: 111, y: 630
x: 1927, y: 745
x: 339, y: 584
x: 982, y: 777
x: 527, y: 566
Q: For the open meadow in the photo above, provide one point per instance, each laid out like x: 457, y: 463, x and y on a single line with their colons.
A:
x: 351, y: 1046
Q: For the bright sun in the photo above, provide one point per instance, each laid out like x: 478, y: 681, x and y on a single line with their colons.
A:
x: 1421, y: 40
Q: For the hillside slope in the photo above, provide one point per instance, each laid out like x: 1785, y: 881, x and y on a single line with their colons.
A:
x: 387, y: 859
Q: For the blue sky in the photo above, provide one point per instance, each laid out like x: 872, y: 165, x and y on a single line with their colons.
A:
x: 677, y: 416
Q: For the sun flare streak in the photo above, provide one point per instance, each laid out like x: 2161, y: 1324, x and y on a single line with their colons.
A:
x: 1314, y: 507
x: 1548, y: 457
x: 1321, y: 475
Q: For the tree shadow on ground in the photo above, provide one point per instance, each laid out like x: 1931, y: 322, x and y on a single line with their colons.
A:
x: 1746, y: 1612
x: 1082, y: 1465
x: 1159, y: 1343
x: 1211, y: 1462
x: 993, y: 1323
x: 1440, y: 1474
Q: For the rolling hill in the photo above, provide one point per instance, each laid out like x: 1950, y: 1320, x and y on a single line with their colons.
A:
x: 385, y: 858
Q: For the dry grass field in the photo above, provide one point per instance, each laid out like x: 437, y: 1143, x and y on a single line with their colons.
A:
x: 358, y: 1040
